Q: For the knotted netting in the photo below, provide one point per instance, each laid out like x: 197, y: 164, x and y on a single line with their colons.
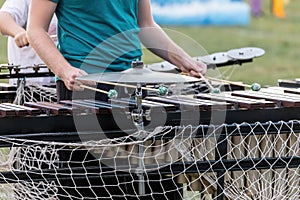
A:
x: 230, y: 161
x: 34, y: 92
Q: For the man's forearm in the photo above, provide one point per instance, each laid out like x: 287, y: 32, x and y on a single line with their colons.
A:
x: 46, y: 49
x: 8, y: 25
x: 158, y: 42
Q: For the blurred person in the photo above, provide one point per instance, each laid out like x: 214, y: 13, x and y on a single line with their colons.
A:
x: 13, y: 22
x: 277, y: 8
x: 256, y: 9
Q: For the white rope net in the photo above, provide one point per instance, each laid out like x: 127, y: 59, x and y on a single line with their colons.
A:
x: 237, y: 161
x: 34, y: 92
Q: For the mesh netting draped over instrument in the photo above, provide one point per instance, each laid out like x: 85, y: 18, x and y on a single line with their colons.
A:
x: 229, y: 161
x: 34, y: 93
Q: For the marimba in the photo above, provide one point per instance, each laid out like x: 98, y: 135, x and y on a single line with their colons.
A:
x: 46, y: 121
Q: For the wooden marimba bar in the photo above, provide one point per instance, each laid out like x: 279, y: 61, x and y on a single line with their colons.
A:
x: 289, y: 83
x: 7, y: 93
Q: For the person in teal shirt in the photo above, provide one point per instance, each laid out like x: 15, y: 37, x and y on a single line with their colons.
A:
x: 98, y: 36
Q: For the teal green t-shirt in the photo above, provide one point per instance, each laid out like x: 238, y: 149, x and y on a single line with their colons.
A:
x: 98, y: 35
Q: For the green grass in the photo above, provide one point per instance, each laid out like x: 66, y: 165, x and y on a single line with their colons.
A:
x: 278, y: 37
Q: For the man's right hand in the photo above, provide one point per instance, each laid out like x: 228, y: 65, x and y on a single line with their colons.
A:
x: 69, y: 78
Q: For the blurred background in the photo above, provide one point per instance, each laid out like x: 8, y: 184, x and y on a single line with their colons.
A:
x: 222, y: 25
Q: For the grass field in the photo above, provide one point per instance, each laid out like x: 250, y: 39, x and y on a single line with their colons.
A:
x: 278, y: 37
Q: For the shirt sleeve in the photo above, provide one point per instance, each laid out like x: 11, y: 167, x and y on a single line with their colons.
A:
x: 18, y: 9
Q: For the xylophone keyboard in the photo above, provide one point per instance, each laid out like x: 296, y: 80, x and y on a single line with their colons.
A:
x: 269, y: 104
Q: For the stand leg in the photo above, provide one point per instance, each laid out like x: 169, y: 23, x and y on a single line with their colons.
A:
x: 141, y: 169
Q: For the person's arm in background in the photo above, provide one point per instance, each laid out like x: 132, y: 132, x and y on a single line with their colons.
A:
x: 9, y: 27
x: 157, y: 41
x: 40, y: 14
